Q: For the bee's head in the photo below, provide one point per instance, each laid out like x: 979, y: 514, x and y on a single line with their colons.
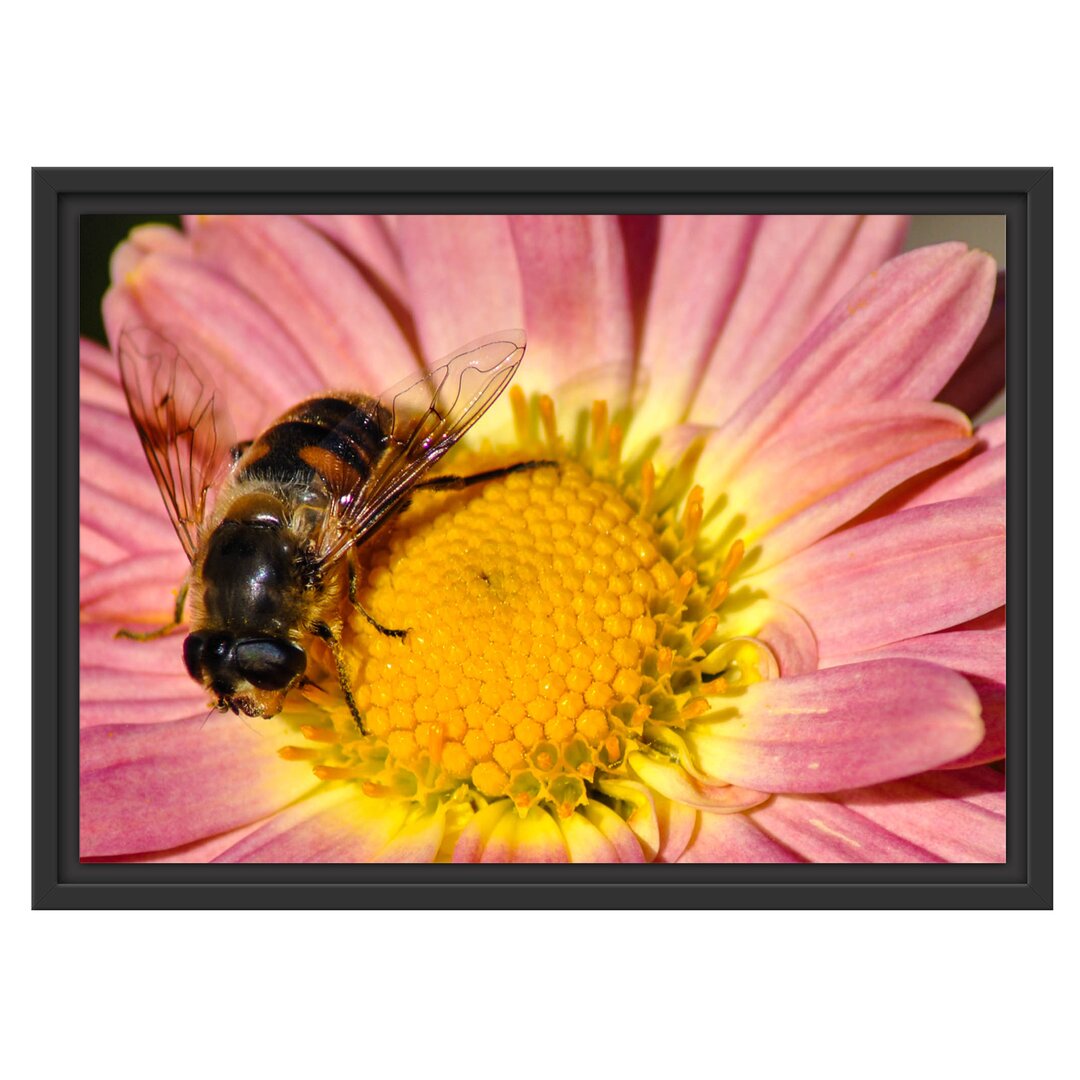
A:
x: 249, y: 674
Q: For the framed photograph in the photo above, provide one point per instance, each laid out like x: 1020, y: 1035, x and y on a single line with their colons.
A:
x: 421, y: 538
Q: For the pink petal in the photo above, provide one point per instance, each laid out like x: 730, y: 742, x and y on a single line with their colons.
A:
x: 911, y: 573
x: 418, y: 840
x: 981, y: 476
x: 140, y: 589
x: 835, y: 510
x: 104, y: 703
x: 112, y: 460
x: 979, y: 655
x: 463, y: 279
x: 824, y: 473
x: 972, y: 652
x: 138, y: 682
x: 315, y: 293
x: 585, y: 842
x: 258, y: 369
x: 899, y: 335
x: 576, y: 297
x: 782, y: 629
x: 142, y: 241
x: 673, y: 782
x: 477, y: 832
x: 99, y: 377
x: 641, y: 242
x: 992, y: 432
x: 150, y: 787
x: 840, y: 728
x: 111, y: 515
x: 734, y: 838
x: 993, y: 705
x: 677, y: 826
x: 341, y: 825
x: 366, y: 239
x: 621, y: 837
x: 981, y: 377
x: 100, y: 647
x: 96, y: 551
x: 199, y: 851
x: 534, y: 838
x: 644, y: 818
x: 700, y: 266
x: 798, y: 269
x: 933, y: 817
x: 498, y: 833
x: 959, y: 816
x: 824, y: 831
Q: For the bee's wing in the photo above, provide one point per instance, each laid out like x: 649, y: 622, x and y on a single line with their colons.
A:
x: 426, y: 416
x: 183, y: 426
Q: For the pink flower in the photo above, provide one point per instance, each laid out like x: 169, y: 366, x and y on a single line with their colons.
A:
x: 757, y: 614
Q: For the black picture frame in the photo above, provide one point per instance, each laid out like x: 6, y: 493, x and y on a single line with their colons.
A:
x: 60, y: 196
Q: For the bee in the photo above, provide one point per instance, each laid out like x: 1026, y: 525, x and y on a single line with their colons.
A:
x: 274, y: 556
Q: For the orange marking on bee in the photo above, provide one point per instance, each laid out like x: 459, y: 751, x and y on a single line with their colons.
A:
x: 334, y: 471
x: 255, y: 452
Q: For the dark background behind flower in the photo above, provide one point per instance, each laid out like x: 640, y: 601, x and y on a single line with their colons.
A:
x: 99, y: 235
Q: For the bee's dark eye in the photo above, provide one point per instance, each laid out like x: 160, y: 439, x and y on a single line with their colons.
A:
x: 270, y: 663
x: 193, y: 651
x: 205, y: 651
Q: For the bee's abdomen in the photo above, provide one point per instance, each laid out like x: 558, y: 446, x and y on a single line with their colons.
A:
x: 321, y: 439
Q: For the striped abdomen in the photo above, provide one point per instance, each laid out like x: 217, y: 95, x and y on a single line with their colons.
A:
x: 318, y: 441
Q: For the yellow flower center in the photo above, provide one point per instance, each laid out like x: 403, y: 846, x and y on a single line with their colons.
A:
x: 559, y: 619
x: 529, y: 607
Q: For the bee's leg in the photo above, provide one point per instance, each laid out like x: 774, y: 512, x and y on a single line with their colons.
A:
x: 456, y: 483
x: 239, y: 450
x: 355, y: 601
x: 161, y: 631
x: 323, y: 631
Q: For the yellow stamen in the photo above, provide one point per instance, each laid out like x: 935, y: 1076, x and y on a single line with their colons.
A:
x: 648, y: 484
x: 731, y: 563
x: 705, y: 631
x: 319, y: 734
x: 599, y: 425
x: 682, y: 588
x: 694, y: 708
x: 547, y: 419
x: 520, y: 409
x: 718, y: 595
x: 333, y: 772
x: 615, y: 440
x: 693, y: 515
x: 299, y: 753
